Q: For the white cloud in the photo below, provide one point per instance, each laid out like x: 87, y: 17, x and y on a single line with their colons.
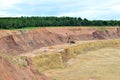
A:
x: 5, y: 5
x: 91, y: 9
x: 8, y: 4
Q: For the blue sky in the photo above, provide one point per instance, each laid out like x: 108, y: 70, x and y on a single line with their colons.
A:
x: 90, y: 9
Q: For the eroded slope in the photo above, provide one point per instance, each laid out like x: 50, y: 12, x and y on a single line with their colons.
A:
x: 17, y: 42
x: 10, y: 71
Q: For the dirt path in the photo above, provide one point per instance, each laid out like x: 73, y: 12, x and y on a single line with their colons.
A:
x: 102, y: 64
x: 55, y: 48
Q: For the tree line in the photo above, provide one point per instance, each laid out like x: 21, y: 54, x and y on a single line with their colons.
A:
x: 22, y: 22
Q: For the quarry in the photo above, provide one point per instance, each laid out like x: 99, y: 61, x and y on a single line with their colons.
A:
x: 77, y: 53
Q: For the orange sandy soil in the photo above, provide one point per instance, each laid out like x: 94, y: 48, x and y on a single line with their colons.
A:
x: 22, y: 41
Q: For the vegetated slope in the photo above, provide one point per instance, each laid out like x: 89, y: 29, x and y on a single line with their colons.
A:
x: 21, y: 41
x: 10, y: 71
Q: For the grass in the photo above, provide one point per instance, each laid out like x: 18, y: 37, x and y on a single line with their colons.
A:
x: 28, y: 28
x: 33, y: 27
x: 102, y: 28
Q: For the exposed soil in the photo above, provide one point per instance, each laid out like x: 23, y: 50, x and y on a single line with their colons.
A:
x: 8, y: 71
x: 24, y: 41
x: 21, y: 41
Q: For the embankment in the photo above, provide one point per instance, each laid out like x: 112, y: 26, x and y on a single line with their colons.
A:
x: 21, y: 41
x: 18, y: 68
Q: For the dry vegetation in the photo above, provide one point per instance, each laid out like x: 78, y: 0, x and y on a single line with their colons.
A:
x: 94, y: 61
x: 48, y: 61
x: 101, y: 64
x: 17, y: 60
x: 51, y: 60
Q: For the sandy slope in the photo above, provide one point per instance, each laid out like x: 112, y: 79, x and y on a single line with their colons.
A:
x: 10, y: 71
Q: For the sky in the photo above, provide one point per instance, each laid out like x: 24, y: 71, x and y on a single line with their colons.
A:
x: 90, y: 9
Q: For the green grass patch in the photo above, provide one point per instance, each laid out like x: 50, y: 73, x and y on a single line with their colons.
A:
x: 33, y: 27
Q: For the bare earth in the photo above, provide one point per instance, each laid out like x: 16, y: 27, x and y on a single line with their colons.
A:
x: 55, y: 48
x: 102, y: 64
x: 23, y: 41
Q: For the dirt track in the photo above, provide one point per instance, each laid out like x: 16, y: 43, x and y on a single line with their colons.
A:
x: 55, y: 48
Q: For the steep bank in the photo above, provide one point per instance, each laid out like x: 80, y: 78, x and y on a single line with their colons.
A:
x: 20, y: 41
x: 10, y: 71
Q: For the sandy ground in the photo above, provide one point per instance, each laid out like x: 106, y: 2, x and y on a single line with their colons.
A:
x: 55, y: 48
x: 102, y: 64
